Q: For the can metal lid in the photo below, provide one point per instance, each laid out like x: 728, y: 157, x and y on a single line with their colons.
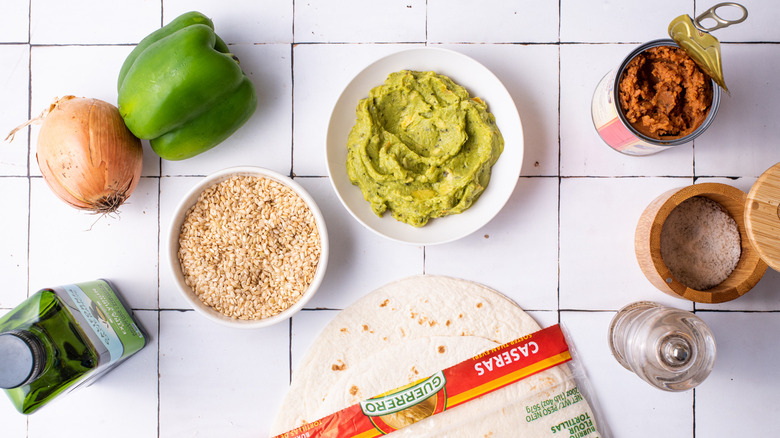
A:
x: 762, y: 216
x: 703, y: 48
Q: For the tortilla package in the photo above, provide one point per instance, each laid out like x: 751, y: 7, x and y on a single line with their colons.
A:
x: 400, y: 337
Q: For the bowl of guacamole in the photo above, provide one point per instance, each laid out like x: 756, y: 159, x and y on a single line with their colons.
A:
x: 424, y: 146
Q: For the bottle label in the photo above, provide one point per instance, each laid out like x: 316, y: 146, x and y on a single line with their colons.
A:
x: 107, y: 317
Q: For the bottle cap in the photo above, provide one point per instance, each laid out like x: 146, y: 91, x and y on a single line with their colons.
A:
x: 23, y: 358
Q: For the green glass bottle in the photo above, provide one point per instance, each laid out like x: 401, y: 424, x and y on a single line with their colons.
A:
x: 62, y: 338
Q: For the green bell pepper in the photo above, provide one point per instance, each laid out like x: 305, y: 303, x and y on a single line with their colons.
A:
x: 183, y: 90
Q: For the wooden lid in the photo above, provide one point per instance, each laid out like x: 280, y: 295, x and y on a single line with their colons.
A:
x: 762, y: 216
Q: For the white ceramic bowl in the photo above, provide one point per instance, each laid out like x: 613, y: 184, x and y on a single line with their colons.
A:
x: 173, y: 246
x: 479, y: 82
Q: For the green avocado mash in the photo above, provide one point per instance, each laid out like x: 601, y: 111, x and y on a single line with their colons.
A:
x: 421, y: 147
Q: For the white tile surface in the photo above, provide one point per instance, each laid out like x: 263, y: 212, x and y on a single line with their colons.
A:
x: 598, y: 268
x: 743, y: 381
x: 359, y: 260
x: 747, y: 119
x: 81, y: 70
x: 14, y: 86
x: 607, y: 21
x: 360, y: 21
x: 492, y: 21
x: 14, y: 424
x: 562, y: 247
x: 14, y: 21
x: 526, y: 232
x: 73, y: 22
x: 14, y: 196
x: 210, y: 387
x: 120, y: 247
x: 265, y: 21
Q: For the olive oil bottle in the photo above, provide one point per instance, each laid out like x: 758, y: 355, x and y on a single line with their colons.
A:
x: 62, y: 338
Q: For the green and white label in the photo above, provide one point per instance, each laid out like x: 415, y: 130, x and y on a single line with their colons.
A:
x: 107, y: 317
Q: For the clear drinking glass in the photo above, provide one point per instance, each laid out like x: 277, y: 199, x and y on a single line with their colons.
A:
x: 669, y: 348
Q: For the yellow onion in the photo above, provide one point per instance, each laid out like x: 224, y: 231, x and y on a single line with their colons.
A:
x: 87, y: 155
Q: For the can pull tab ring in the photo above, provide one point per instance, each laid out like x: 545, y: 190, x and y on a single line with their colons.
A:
x: 720, y: 22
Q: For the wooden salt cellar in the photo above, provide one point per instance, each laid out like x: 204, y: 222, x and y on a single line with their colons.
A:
x: 757, y: 216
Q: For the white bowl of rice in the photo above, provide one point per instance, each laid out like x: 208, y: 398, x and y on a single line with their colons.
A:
x: 248, y: 247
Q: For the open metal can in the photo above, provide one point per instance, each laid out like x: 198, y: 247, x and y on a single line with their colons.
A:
x: 614, y: 128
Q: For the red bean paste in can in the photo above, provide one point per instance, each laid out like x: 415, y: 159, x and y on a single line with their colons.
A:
x: 664, y: 94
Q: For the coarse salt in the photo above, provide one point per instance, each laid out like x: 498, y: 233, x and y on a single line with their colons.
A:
x: 700, y: 243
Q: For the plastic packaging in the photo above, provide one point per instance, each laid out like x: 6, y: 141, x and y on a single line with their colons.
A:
x: 530, y: 387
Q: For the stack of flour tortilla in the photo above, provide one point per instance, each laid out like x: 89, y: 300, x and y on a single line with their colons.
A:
x: 409, y: 330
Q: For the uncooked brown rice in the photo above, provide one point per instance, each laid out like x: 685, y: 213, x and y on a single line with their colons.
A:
x: 249, y: 247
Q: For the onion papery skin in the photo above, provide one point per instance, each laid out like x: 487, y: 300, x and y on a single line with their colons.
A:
x: 87, y: 155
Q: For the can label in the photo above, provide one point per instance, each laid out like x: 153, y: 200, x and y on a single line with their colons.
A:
x: 605, y: 116
x: 610, y: 127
